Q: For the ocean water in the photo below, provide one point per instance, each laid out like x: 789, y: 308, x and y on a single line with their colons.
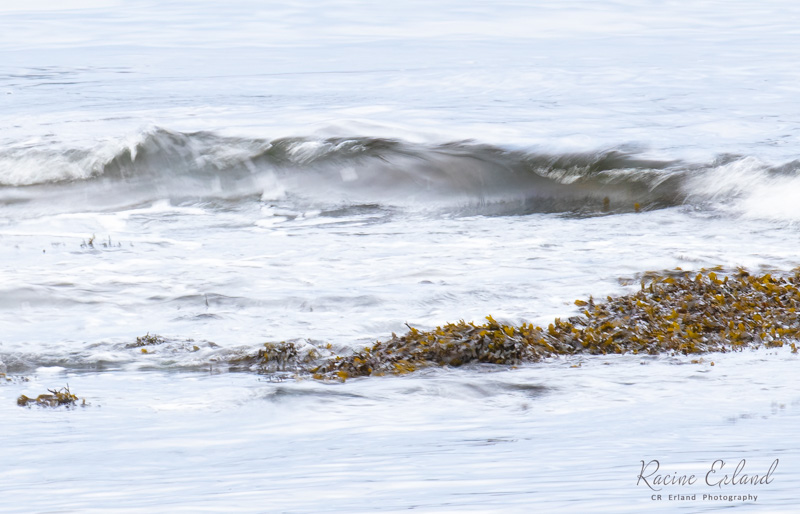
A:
x: 326, y: 172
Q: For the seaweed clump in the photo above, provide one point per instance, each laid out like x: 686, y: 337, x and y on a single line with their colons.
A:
x: 674, y: 312
x: 56, y: 398
x: 146, y: 340
x: 454, y: 344
x: 690, y: 312
x: 288, y: 356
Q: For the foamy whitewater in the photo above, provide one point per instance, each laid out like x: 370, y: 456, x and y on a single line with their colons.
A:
x: 226, y: 174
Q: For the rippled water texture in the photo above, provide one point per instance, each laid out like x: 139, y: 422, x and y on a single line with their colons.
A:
x: 547, y: 436
x: 329, y: 172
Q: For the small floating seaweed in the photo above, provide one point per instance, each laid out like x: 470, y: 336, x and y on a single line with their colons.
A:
x: 146, y: 340
x: 55, y: 398
x: 90, y: 243
x: 6, y: 379
x: 155, y: 344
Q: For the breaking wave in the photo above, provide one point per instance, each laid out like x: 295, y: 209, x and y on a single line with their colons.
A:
x: 159, y: 163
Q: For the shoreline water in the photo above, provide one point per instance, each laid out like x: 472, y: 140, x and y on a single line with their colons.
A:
x: 210, y: 177
x: 505, y: 438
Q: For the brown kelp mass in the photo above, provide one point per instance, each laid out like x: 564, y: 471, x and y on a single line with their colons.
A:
x: 674, y: 312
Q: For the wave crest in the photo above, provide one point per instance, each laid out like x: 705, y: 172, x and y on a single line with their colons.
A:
x: 159, y: 163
